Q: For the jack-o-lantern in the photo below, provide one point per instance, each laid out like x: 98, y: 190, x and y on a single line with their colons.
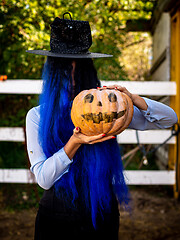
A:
x: 102, y: 111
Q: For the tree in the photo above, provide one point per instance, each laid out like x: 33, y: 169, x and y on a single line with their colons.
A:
x: 25, y: 25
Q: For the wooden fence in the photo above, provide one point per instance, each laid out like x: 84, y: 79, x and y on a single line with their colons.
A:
x: 135, y: 177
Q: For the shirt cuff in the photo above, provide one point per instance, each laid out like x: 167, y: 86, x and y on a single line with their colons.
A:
x: 148, y: 114
x: 62, y: 156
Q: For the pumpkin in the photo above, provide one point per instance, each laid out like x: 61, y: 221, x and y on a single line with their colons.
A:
x: 98, y: 111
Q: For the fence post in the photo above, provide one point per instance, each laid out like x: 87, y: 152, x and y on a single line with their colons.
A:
x: 174, y: 151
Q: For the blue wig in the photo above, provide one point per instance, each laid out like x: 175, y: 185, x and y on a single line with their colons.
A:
x: 96, y: 168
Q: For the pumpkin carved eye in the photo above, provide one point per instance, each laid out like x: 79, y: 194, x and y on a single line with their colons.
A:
x: 112, y: 97
x: 88, y: 98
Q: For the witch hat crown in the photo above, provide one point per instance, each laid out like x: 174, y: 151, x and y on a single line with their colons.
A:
x: 70, y: 39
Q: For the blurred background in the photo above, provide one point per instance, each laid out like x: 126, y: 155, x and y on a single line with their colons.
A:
x: 144, y: 37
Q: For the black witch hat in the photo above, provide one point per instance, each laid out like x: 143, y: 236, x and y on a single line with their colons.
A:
x: 70, y: 39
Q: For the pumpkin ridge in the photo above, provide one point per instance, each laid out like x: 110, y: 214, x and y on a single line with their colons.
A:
x: 100, y: 100
x: 75, y: 121
x: 116, y: 92
x: 106, y: 126
x: 76, y: 110
x: 129, y: 115
x: 116, y: 124
x: 90, y: 123
x: 96, y: 118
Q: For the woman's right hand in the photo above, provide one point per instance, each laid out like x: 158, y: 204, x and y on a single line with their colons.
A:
x: 78, y: 138
x: 83, y: 139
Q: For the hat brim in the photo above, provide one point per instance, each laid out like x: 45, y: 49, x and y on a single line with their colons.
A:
x: 83, y: 55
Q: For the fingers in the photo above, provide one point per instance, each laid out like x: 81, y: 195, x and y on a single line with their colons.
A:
x: 103, y: 139
x: 117, y: 87
x: 97, y: 138
x: 90, y: 139
x: 107, y: 87
x: 77, y: 130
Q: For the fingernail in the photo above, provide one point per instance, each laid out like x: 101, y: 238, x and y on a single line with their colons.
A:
x: 113, y: 137
x: 77, y: 128
x: 103, y: 135
x: 98, y: 87
x: 104, y: 86
x: 115, y: 87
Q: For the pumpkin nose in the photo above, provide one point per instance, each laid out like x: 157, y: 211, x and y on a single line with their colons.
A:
x: 99, y: 104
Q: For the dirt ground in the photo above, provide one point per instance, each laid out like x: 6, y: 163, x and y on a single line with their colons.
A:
x: 154, y: 215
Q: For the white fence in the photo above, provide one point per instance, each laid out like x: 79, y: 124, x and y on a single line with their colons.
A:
x: 136, y: 177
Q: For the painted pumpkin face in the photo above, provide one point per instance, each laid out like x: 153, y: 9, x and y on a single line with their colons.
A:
x: 101, y: 111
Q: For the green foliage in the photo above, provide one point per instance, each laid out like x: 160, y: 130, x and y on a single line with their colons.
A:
x: 25, y: 25
x: 13, y: 109
x: 13, y: 155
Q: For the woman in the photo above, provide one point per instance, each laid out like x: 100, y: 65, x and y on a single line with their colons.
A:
x: 82, y: 175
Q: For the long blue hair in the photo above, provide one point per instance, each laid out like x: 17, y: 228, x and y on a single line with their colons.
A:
x: 96, y: 168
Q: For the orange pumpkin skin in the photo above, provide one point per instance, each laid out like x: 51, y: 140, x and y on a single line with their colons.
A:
x: 102, y: 111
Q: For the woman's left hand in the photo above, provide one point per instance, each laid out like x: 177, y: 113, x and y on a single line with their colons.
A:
x: 138, y: 101
x: 120, y: 88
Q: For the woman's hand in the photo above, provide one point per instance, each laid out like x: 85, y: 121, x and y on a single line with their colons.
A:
x: 77, y: 139
x: 83, y: 139
x: 138, y: 101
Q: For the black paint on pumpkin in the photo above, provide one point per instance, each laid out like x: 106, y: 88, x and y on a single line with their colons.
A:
x: 97, y: 118
x: 89, y: 98
x: 99, y: 104
x: 112, y: 97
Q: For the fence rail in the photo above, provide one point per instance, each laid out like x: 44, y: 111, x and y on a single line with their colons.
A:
x: 16, y: 134
x: 148, y: 88
x: 137, y: 177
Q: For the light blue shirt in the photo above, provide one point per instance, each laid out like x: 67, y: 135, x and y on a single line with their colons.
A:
x: 48, y: 170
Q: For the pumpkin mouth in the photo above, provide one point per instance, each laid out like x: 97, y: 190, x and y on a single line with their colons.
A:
x: 99, y: 117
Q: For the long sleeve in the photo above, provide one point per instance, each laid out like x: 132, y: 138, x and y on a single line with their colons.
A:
x: 158, y: 115
x: 46, y: 170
